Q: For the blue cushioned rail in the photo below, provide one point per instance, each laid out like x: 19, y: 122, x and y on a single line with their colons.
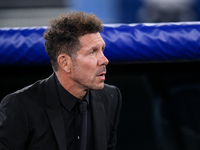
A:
x: 125, y: 43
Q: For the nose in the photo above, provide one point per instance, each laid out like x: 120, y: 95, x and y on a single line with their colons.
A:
x: 103, y: 60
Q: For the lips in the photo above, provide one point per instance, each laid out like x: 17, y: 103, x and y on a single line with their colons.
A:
x: 102, y: 74
x: 101, y: 71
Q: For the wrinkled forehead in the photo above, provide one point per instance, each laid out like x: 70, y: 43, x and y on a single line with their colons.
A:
x: 92, y: 39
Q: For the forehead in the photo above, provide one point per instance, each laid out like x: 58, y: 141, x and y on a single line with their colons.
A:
x: 91, y: 39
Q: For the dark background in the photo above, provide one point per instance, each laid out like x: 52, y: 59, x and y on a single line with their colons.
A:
x: 152, y: 116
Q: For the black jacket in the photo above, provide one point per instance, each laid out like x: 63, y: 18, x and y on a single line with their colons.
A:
x: 31, y: 118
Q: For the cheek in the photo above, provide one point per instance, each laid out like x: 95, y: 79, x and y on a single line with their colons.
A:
x: 89, y: 70
x: 87, y: 66
x: 83, y: 71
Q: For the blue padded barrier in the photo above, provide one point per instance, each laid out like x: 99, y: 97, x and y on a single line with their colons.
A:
x: 152, y: 42
x: 22, y: 47
x: 125, y: 43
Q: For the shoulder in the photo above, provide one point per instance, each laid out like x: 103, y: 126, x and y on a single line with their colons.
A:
x: 110, y: 95
x: 110, y: 90
x: 30, y: 92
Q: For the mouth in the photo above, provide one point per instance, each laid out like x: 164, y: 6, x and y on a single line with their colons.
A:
x: 102, y: 75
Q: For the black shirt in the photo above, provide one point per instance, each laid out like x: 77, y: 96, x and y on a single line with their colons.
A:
x: 72, y: 122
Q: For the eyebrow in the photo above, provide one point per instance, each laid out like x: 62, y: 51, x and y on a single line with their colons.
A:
x: 103, y: 47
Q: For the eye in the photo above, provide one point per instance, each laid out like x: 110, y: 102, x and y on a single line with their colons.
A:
x: 91, y: 52
x: 103, y: 47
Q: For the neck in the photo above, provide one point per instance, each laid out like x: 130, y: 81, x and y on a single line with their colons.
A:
x: 71, y: 87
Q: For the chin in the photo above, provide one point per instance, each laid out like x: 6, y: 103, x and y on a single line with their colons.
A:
x: 98, y: 87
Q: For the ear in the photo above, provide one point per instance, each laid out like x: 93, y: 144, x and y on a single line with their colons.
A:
x: 64, y: 62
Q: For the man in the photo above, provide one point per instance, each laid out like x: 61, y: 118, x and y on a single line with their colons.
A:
x: 46, y: 115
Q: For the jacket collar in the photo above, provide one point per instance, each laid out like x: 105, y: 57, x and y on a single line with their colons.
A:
x: 98, y: 121
x: 54, y: 112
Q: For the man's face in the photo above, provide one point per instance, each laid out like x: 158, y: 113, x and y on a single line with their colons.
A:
x: 89, y: 65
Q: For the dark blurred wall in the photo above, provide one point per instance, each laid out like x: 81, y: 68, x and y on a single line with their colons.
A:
x: 152, y: 115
